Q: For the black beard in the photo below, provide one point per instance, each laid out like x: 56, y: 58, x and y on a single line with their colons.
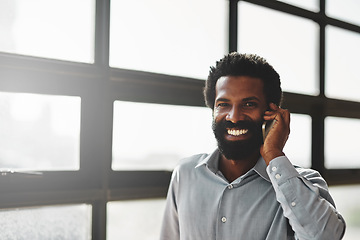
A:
x: 242, y: 149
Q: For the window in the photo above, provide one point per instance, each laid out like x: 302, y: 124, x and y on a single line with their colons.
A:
x: 85, y: 85
x: 155, y: 137
x: 312, y: 5
x: 156, y: 36
x: 125, y: 215
x: 50, y: 222
x: 340, y: 142
x: 39, y: 132
x: 341, y: 65
x: 287, y: 42
x: 346, y: 10
x: 349, y: 208
x: 52, y: 29
x: 298, y: 146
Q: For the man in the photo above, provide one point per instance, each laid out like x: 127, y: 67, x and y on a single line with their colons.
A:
x: 247, y: 188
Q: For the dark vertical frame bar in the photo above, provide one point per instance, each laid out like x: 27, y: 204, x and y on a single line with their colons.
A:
x: 99, y: 220
x: 322, y: 42
x: 317, y: 139
x: 233, y: 25
x: 102, y: 33
x: 100, y: 161
x: 318, y: 114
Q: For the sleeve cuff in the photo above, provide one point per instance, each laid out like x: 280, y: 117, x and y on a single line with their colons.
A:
x: 280, y: 170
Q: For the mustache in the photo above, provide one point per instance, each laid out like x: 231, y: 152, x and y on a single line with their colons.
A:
x: 244, y: 124
x: 240, y: 124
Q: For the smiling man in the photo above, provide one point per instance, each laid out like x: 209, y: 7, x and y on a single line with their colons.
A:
x: 247, y: 188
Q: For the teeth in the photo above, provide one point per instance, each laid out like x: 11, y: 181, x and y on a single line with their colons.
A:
x: 237, y: 132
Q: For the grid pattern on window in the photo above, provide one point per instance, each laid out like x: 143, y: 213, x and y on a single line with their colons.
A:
x: 93, y: 85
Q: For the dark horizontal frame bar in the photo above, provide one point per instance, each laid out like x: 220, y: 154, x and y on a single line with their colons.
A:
x: 342, y: 176
x: 84, y: 80
x: 304, y: 13
x: 74, y: 187
x: 49, y: 198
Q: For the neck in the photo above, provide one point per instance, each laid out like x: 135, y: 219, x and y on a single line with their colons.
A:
x: 233, y: 169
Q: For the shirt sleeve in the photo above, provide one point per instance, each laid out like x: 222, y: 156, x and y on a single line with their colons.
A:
x: 170, y: 224
x: 306, y: 202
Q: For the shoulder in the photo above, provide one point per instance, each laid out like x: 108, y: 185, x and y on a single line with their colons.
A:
x: 187, y: 165
x: 192, y: 161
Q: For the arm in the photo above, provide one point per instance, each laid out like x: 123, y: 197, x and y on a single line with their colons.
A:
x: 170, y: 224
x: 306, y: 201
x: 303, y: 195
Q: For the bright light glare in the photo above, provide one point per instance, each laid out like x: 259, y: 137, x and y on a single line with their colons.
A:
x: 300, y: 135
x: 287, y: 42
x: 341, y: 145
x: 39, y: 132
x: 61, y: 108
x: 31, y: 107
x: 60, y: 29
x: 26, y: 107
x: 342, y: 65
x: 347, y: 10
x: 156, y: 136
x: 178, y: 37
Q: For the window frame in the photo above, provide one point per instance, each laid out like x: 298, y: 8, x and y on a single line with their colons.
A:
x: 99, y: 86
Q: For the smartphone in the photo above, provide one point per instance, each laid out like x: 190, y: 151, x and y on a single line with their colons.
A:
x: 266, y: 126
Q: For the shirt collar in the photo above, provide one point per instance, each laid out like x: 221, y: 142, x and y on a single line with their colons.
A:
x: 260, y: 168
x: 212, y: 162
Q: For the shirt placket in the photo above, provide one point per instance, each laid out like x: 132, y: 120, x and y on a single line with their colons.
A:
x: 223, y: 219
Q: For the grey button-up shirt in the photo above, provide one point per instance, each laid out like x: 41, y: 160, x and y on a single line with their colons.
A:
x: 275, y: 202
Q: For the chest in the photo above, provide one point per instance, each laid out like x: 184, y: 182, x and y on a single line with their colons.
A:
x: 214, y: 208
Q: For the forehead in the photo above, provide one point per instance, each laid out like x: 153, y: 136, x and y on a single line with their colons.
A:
x: 239, y: 87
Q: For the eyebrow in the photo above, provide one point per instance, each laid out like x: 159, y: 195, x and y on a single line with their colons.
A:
x: 244, y: 100
x: 222, y: 100
x: 250, y: 99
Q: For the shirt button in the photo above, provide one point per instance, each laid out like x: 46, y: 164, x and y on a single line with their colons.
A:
x: 223, y: 219
x: 230, y: 186
x: 274, y: 169
x: 293, y: 204
x: 277, y: 176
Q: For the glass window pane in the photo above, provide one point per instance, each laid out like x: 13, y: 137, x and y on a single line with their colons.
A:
x: 342, y: 64
x: 60, y: 29
x: 39, y: 132
x: 347, y: 200
x: 171, y: 37
x: 288, y: 42
x: 342, y: 143
x: 312, y: 5
x: 125, y: 217
x: 154, y: 136
x: 346, y: 10
x: 298, y: 146
x: 43, y: 223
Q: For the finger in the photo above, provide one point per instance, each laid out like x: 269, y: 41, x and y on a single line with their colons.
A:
x: 284, y: 114
x: 273, y: 106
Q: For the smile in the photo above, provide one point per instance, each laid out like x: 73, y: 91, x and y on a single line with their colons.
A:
x: 237, y: 132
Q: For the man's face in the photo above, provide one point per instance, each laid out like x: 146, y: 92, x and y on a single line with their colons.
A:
x: 238, y: 114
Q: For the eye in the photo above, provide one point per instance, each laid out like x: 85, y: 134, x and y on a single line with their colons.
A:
x: 222, y: 104
x: 250, y: 104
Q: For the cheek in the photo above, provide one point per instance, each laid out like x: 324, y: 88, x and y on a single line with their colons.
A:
x: 259, y: 117
x: 218, y: 115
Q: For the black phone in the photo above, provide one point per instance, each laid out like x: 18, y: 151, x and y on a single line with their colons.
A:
x: 266, y: 126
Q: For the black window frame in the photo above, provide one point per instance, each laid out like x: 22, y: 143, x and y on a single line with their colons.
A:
x: 99, y: 86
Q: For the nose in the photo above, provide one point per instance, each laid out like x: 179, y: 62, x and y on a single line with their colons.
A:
x: 235, y: 115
